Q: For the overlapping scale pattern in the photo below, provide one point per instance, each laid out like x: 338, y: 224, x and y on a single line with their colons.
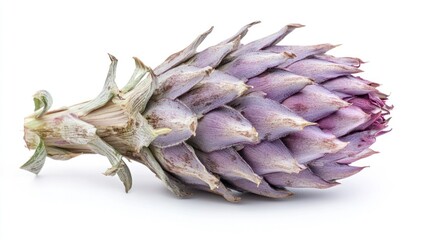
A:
x: 299, y: 117
x: 257, y: 117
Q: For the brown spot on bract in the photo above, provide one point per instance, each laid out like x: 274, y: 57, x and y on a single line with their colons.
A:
x: 267, y: 135
x: 167, y: 86
x: 154, y: 120
x: 237, y: 117
x: 186, y: 158
x: 299, y: 107
x: 212, y: 166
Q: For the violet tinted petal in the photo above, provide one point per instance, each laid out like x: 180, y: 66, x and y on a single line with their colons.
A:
x: 179, y: 80
x: 333, y: 171
x: 264, y: 189
x: 265, y: 41
x: 304, y: 179
x: 172, y: 114
x: 182, y: 161
x: 241, y: 33
x: 300, y: 52
x: 223, y: 127
x: 269, y: 157
x: 312, y: 143
x: 314, y: 102
x: 320, y: 70
x: 363, y: 103
x: 271, y: 119
x: 229, y: 165
x: 374, y: 118
x: 214, y: 91
x: 349, y: 85
x: 357, y: 143
x: 221, y: 190
x: 344, y: 121
x: 252, y: 64
x: 278, y: 84
x: 349, y: 61
x: 183, y: 55
x: 213, y: 56
x: 365, y: 153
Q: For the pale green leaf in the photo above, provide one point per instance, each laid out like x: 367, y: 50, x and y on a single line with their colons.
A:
x: 36, y: 162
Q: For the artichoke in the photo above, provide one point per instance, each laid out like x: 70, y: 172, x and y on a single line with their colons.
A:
x: 233, y: 118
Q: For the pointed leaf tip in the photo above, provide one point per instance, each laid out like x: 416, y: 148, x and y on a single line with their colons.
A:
x: 139, y: 73
x: 241, y: 33
x: 182, y: 161
x: 140, y: 64
x: 295, y: 25
x: 115, y: 158
x: 112, y: 58
x: 183, y: 55
x: 289, y: 54
x: 253, y: 23
x: 264, y: 42
x: 110, y: 89
x: 174, y: 185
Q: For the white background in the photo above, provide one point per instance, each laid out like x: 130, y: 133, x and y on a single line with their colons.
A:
x: 61, y: 46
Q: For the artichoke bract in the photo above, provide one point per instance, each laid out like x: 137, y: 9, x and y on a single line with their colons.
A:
x: 233, y: 118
